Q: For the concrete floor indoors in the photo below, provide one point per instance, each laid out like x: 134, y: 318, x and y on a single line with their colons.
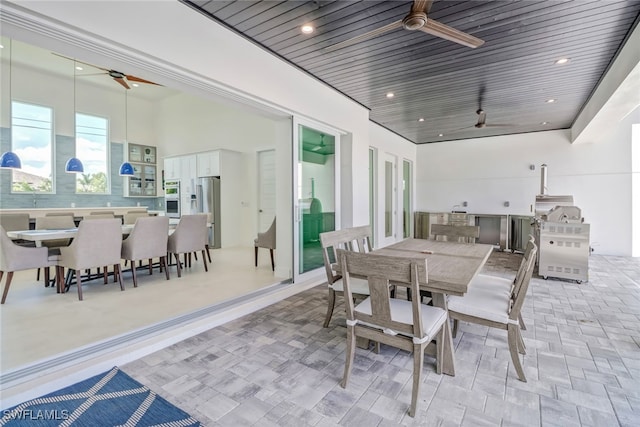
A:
x: 37, y: 323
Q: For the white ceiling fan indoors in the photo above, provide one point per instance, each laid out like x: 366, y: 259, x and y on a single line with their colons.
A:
x: 416, y: 20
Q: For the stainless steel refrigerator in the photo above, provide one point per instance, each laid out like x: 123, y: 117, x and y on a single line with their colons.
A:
x: 208, y: 201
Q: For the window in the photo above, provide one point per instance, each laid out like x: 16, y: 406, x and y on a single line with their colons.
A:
x: 32, y: 141
x: 91, y: 149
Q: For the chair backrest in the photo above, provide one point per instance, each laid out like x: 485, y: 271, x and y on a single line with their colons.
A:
x: 380, y: 271
x: 100, y: 215
x: 130, y: 217
x: 356, y: 239
x: 14, y: 221
x: 71, y: 214
x: 148, y: 239
x: 15, y: 257
x: 190, y: 234
x: 522, y: 283
x: 56, y: 222
x: 453, y: 233
x: 268, y: 238
x: 97, y: 243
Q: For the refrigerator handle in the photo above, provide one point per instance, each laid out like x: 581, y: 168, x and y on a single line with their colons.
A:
x: 198, y: 197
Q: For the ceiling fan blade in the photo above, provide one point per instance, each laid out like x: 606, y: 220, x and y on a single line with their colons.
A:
x: 122, y: 82
x: 75, y: 60
x: 138, y: 79
x: 446, y: 32
x: 365, y: 36
x: 421, y: 6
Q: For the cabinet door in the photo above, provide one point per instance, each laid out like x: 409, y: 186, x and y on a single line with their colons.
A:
x: 150, y: 183
x: 188, y: 174
x: 135, y: 181
x: 172, y: 168
x: 209, y: 164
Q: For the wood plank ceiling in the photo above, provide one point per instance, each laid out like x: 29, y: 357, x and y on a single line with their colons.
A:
x: 439, y: 85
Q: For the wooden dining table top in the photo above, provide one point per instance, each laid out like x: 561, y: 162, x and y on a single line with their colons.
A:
x: 451, y: 266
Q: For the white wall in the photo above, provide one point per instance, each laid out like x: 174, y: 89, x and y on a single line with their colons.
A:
x: 635, y: 165
x: 486, y: 172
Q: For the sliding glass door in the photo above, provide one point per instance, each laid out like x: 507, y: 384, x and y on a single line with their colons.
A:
x: 315, y: 193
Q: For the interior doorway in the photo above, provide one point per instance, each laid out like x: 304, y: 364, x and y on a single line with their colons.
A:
x: 266, y: 188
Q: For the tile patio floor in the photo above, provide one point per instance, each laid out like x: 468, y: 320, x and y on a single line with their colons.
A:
x: 279, y: 367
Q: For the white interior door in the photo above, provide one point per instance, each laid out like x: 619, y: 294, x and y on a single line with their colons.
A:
x: 266, y: 188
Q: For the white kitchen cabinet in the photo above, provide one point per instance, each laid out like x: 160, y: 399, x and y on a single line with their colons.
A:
x: 172, y: 168
x: 208, y: 164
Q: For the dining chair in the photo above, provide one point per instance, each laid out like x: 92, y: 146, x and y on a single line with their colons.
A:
x: 99, y: 215
x: 147, y: 240
x: 497, y: 306
x: 456, y: 233
x: 189, y: 236
x: 407, y: 325
x: 14, y: 257
x: 15, y: 222
x: 97, y: 243
x: 266, y: 240
x: 352, y: 239
x: 54, y: 222
x: 130, y: 217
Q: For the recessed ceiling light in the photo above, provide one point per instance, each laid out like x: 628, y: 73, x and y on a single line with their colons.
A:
x: 390, y: 94
x: 307, y: 29
x: 441, y: 134
x: 79, y: 68
x: 135, y: 84
x: 544, y: 123
x: 551, y: 101
x: 421, y: 119
x: 562, y: 61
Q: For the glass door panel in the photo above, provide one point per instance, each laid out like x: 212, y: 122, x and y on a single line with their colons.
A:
x: 316, y: 194
x: 406, y: 198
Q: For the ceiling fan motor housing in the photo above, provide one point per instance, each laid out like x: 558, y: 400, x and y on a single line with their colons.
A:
x: 414, y: 21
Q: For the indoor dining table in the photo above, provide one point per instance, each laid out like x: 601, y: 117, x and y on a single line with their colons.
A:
x: 451, y: 267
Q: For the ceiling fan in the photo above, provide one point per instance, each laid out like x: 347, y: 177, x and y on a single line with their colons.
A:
x: 417, y: 20
x: 116, y: 75
x: 321, y: 146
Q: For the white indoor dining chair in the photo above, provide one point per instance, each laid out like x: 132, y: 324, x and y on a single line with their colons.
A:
x: 147, y: 240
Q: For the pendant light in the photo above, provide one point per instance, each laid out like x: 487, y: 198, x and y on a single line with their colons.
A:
x: 74, y: 165
x: 126, y: 169
x: 9, y: 159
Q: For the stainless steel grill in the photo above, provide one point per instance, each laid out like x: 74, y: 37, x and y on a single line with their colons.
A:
x: 561, y: 235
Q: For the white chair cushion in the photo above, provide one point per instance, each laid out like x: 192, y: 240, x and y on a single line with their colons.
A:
x: 402, y: 311
x: 495, y: 283
x: 483, y: 302
x: 358, y: 286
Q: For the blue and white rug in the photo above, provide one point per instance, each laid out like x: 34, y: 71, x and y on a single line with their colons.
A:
x: 109, y: 399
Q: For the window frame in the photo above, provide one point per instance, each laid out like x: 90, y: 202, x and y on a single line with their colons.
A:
x: 107, y: 130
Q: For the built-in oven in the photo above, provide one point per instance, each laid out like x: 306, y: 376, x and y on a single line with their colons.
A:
x: 172, y: 198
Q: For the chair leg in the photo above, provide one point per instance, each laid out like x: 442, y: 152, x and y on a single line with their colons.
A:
x: 133, y: 274
x: 38, y: 274
x: 204, y: 261
x: 178, y: 265
x: 59, y: 274
x: 454, y: 332
x: 78, y: 283
x: 332, y: 303
x: 521, y: 321
x: 418, y: 360
x: 6, y: 284
x: 208, y: 252
x: 351, y: 350
x: 273, y: 265
x: 163, y: 264
x: 512, y: 332
x: 47, y: 275
x: 256, y: 254
x: 440, y: 350
x: 116, y: 270
x: 522, y: 349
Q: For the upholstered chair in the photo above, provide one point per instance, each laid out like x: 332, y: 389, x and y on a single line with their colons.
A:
x: 266, y: 240
x: 189, y: 236
x: 147, y: 240
x: 130, y: 217
x: 98, y: 243
x: 14, y: 258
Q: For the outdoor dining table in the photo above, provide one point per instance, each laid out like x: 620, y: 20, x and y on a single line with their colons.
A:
x: 451, y: 267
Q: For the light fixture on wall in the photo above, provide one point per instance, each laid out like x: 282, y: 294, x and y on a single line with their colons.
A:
x: 9, y: 159
x: 74, y: 165
x: 126, y: 168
